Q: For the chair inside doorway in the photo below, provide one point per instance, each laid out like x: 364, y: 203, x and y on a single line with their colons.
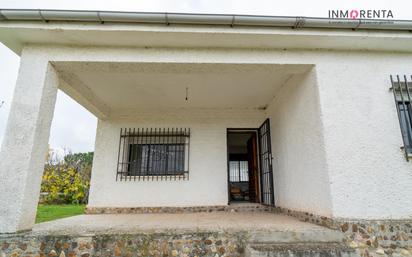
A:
x: 243, y: 177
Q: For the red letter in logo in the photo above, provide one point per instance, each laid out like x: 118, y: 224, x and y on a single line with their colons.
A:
x: 353, y: 14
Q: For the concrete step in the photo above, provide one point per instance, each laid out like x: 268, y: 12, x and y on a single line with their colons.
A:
x: 307, y: 249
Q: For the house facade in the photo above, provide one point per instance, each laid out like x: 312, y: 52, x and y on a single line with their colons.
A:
x: 211, y: 110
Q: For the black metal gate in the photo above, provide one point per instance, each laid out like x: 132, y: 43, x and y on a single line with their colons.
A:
x: 266, y: 173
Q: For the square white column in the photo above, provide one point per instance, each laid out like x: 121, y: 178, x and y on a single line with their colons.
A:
x: 25, y: 143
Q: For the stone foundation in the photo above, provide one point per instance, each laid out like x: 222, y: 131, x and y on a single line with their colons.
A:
x: 300, y: 250
x: 369, y: 237
x: 309, y: 217
x: 190, y: 209
x: 153, y: 244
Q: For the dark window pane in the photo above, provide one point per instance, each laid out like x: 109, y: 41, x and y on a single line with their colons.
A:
x: 156, y: 159
x: 406, y: 126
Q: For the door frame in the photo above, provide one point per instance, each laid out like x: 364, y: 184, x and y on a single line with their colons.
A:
x: 243, y: 130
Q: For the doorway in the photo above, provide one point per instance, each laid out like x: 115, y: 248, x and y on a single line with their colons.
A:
x: 250, y: 173
x: 243, y: 171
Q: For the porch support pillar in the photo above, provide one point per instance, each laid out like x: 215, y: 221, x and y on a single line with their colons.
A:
x: 25, y: 143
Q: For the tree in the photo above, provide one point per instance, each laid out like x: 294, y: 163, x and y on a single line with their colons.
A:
x: 82, y: 162
x: 67, y: 179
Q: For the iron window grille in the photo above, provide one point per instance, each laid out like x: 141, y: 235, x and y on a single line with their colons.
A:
x: 153, y: 154
x: 402, y: 92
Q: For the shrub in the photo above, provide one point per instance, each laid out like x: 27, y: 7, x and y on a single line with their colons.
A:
x: 64, y: 184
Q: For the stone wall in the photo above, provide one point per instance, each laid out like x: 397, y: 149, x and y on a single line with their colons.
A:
x: 368, y: 237
x: 152, y: 244
x: 189, y: 209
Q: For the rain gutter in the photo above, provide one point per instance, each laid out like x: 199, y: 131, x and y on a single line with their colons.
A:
x: 202, y: 19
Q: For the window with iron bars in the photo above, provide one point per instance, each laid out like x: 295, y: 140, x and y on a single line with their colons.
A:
x: 153, y: 154
x: 402, y: 91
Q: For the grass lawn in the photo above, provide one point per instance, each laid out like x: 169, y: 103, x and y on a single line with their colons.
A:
x: 46, y: 212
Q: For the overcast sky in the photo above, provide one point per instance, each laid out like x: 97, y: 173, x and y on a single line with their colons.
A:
x: 73, y: 127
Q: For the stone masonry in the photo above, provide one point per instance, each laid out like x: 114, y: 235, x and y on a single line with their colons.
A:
x: 145, y: 244
x: 368, y: 237
x: 189, y: 209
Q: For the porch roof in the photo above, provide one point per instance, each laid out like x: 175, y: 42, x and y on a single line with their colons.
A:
x: 97, y: 28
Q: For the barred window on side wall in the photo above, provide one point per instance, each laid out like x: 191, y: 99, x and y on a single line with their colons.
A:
x: 153, y: 153
x: 402, y: 91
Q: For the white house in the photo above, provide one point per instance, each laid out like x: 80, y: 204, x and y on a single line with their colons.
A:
x: 206, y: 110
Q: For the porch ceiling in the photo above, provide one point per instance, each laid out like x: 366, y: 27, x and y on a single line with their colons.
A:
x: 110, y: 89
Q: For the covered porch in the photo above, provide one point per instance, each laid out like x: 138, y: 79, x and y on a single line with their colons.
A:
x: 173, y: 120
x: 137, y: 102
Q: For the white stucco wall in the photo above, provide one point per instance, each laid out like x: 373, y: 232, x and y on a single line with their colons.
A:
x: 300, y: 171
x: 369, y: 176
x: 207, y: 184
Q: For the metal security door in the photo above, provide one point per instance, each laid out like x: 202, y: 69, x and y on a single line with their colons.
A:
x: 266, y: 173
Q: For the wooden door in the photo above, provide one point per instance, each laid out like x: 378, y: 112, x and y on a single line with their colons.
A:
x: 253, y: 169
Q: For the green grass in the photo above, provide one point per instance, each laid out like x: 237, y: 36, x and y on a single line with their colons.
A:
x: 46, y: 212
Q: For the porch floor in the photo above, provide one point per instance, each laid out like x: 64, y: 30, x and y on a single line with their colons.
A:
x: 263, y: 226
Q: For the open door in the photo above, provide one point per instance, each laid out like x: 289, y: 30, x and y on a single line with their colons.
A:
x: 243, y: 165
x: 266, y: 172
x: 253, y: 169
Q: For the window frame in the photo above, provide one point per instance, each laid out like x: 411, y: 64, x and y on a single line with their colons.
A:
x: 402, y: 93
x: 405, y: 122
x: 239, y: 171
x: 147, y: 164
x: 238, y: 157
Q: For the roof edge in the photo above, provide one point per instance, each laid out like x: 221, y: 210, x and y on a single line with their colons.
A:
x: 202, y: 19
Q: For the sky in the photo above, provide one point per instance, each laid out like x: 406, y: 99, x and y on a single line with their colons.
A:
x: 73, y: 127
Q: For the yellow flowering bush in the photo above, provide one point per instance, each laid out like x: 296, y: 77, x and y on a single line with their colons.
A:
x: 62, y: 183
